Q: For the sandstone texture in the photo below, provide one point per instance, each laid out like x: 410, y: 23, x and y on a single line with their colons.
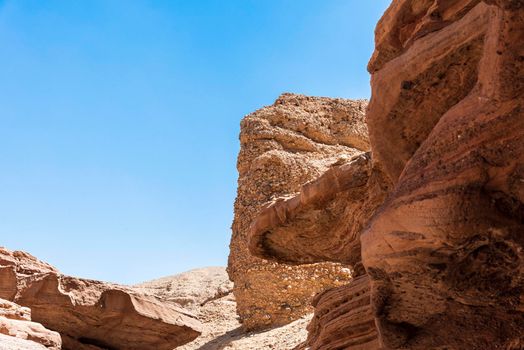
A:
x: 15, y: 322
x: 284, y: 146
x: 344, y: 319
x: 290, y: 228
x: 441, y: 216
x: 324, y: 222
x: 91, y: 314
x: 207, y: 292
x: 445, y: 251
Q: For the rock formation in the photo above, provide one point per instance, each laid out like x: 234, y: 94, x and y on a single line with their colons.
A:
x: 207, y: 292
x: 323, y: 222
x: 442, y: 237
x: 90, y: 314
x: 15, y: 322
x: 445, y: 251
x: 344, y: 319
x: 283, y: 146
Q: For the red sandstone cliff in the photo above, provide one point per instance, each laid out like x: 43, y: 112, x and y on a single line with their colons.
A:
x: 441, y: 243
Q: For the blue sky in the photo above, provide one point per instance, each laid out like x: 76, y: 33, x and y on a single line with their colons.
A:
x: 120, y: 119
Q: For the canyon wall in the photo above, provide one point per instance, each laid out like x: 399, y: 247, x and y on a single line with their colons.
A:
x: 446, y: 121
x: 440, y: 219
x: 284, y: 146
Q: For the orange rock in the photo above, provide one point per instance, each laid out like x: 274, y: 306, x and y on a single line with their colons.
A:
x: 442, y: 244
x: 446, y: 120
x: 282, y: 147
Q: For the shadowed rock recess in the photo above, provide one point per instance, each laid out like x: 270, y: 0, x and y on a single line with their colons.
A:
x: 441, y: 217
x: 282, y: 147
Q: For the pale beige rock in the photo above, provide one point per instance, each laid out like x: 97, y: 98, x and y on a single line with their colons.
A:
x: 211, y: 299
x: 15, y: 321
x: 11, y: 343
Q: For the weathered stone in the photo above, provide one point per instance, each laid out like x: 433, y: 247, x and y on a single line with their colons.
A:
x: 343, y: 319
x: 15, y: 322
x: 445, y: 252
x: 283, y: 146
x: 291, y: 229
x: 94, y: 313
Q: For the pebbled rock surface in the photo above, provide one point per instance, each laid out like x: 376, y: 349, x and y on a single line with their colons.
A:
x: 291, y: 228
x: 445, y: 251
x: 212, y: 301
x: 283, y: 146
x: 91, y: 314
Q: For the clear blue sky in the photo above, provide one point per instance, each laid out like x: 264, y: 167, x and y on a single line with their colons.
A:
x: 120, y: 119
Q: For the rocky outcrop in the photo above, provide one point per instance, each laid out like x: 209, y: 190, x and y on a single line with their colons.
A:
x: 15, y: 322
x: 192, y: 289
x: 323, y: 222
x: 290, y: 228
x: 283, y: 146
x: 442, y: 242
x: 207, y: 292
x: 445, y: 252
x: 344, y: 319
x: 90, y: 314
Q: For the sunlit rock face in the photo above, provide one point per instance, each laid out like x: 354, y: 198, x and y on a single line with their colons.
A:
x: 441, y: 216
x: 323, y: 222
x: 91, y: 314
x: 17, y: 331
x: 283, y: 146
x: 446, y: 123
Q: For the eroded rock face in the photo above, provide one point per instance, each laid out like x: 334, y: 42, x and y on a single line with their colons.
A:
x: 344, y: 319
x: 91, y: 314
x: 445, y: 252
x: 291, y: 228
x: 15, y: 323
x: 443, y: 246
x: 283, y: 146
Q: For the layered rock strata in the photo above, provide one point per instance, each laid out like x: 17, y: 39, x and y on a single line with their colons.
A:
x: 90, y: 314
x: 445, y: 252
x: 283, y: 146
x: 286, y: 229
x: 344, y: 319
x: 323, y: 222
x: 443, y: 248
